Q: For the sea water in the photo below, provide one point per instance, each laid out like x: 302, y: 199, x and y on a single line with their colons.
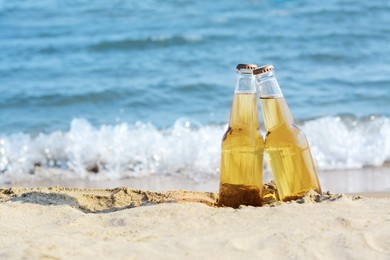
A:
x: 119, y: 89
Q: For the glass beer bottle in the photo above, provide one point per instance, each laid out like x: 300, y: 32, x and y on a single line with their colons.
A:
x: 242, y: 146
x: 286, y: 146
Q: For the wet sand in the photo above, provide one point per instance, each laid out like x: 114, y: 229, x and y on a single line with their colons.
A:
x: 367, y: 180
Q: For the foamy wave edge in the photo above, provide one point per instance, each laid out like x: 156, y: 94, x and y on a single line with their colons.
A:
x: 123, y: 150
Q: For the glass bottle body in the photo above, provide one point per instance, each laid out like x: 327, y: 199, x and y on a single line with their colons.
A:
x: 287, y: 148
x: 242, y: 152
x: 288, y: 151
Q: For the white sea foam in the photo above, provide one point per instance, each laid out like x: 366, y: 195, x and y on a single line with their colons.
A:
x: 120, y: 151
x: 349, y: 144
x: 116, y: 151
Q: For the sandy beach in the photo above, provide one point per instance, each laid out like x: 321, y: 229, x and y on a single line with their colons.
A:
x: 60, y: 223
x: 120, y: 121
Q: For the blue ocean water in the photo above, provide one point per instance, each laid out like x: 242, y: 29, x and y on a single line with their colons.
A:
x: 135, y: 88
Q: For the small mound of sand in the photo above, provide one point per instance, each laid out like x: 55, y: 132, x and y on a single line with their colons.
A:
x: 108, y: 200
x: 102, y: 200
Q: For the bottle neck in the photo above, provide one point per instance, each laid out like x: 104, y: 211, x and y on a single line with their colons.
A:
x: 244, y: 113
x: 274, y: 107
x: 246, y: 82
x: 268, y: 86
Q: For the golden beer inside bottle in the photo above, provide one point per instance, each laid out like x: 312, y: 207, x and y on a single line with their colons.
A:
x: 288, y: 151
x: 242, y: 155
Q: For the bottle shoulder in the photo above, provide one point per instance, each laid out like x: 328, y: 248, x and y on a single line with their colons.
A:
x: 286, y: 135
x: 238, y: 132
x: 236, y: 138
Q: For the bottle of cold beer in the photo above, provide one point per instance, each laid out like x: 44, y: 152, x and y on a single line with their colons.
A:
x: 242, y: 146
x: 286, y: 146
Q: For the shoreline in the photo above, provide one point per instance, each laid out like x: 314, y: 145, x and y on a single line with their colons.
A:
x: 366, y: 180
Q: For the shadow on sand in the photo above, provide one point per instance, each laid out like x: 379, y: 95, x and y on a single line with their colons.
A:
x: 89, y: 204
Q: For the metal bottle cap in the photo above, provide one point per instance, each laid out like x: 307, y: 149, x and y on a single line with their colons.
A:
x: 246, y: 66
x: 263, y: 69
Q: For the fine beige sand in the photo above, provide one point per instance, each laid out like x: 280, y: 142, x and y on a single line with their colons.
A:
x: 66, y: 223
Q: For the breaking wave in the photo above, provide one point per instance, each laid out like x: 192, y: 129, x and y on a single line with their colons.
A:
x: 186, y: 149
